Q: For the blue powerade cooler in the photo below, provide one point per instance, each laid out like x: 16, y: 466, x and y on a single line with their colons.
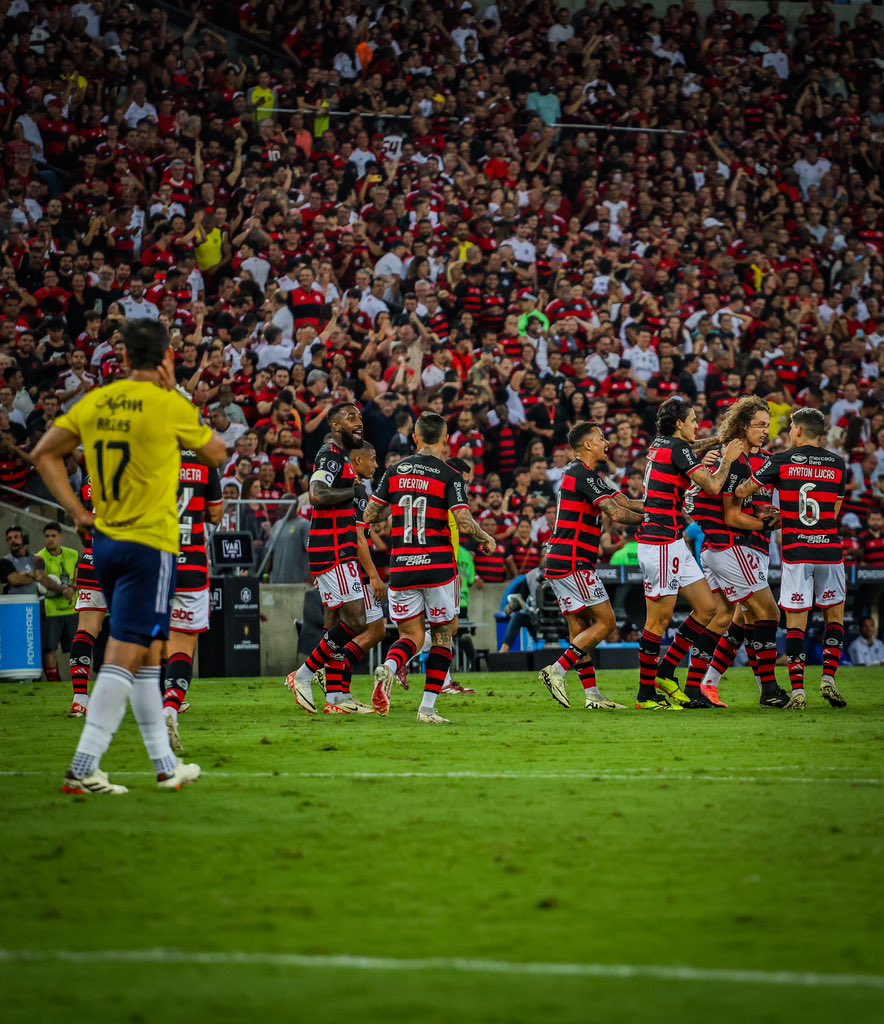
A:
x: 20, y: 640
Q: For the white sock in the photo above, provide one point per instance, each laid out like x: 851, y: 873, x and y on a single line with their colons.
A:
x: 333, y: 698
x: 106, y: 711
x: 594, y: 691
x: 447, y: 678
x: 393, y: 666
x: 147, y: 706
x: 304, y: 675
x: 428, y: 701
x: 82, y: 699
x: 712, y: 677
x: 171, y: 711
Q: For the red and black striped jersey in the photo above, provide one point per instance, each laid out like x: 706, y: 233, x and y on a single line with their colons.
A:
x: 86, y: 578
x: 332, y: 539
x: 707, y: 511
x: 574, y: 543
x: 361, y: 503
x: 759, y: 539
x: 525, y: 556
x: 198, y: 487
x: 422, y: 490
x: 873, y: 549
x: 491, y: 568
x: 671, y: 464
x: 811, y: 482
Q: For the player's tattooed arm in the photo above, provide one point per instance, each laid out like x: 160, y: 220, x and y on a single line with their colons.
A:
x: 322, y: 493
x: 713, y: 483
x: 470, y: 528
x: 620, y: 513
x: 376, y: 511
x: 631, y: 503
x: 746, y: 488
x: 703, y: 444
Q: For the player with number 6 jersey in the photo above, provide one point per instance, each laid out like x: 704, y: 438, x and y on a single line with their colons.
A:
x: 811, y: 482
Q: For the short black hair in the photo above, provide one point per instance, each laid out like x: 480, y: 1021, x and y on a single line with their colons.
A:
x: 811, y: 421
x: 431, y: 427
x: 337, y: 411
x: 669, y: 414
x: 146, y: 343
x: 54, y: 525
x: 579, y: 432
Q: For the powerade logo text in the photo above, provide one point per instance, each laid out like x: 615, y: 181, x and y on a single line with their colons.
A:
x: 30, y: 634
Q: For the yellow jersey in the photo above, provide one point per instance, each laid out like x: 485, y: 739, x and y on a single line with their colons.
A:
x: 132, y: 433
x: 455, y: 533
x: 209, y: 252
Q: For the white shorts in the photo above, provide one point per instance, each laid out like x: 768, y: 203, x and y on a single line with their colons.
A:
x: 437, y: 604
x: 341, y: 585
x: 735, y: 572
x: 190, y: 611
x: 581, y: 589
x: 666, y: 568
x: 373, y: 611
x: 91, y: 601
x: 806, y: 584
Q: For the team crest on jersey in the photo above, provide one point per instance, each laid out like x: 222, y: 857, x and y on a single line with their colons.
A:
x: 798, y: 459
x: 334, y: 467
x: 404, y: 467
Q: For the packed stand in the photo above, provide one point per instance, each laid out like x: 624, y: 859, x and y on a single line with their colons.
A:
x: 419, y: 211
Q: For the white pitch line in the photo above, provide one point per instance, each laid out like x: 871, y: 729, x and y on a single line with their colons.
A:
x: 600, y: 775
x: 798, y: 979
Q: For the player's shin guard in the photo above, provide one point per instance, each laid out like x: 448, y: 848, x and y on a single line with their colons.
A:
x: 179, y: 675
x: 701, y: 657
x: 648, y: 658
x: 438, y: 663
x: 81, y: 662
x: 586, y: 671
x: 331, y: 646
x: 570, y: 658
x: 147, y: 706
x: 353, y: 655
x: 795, y: 657
x: 724, y: 655
x: 685, y: 638
x: 107, y: 707
x: 833, y: 646
x: 764, y: 640
x: 400, y: 654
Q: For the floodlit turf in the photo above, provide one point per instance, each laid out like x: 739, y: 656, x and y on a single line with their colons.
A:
x: 734, y: 841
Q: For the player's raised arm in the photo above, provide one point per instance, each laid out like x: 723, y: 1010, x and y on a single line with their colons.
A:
x: 49, y: 455
x: 712, y: 483
x: 735, y: 516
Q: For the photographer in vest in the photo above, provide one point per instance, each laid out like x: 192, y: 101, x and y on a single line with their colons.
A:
x: 60, y: 613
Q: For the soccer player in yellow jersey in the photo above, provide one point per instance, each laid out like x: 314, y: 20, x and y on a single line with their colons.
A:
x: 132, y: 432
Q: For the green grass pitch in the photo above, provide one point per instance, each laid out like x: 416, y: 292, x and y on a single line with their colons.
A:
x: 524, y: 851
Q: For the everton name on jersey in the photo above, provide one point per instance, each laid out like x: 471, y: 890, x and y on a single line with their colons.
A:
x: 422, y: 489
x: 811, y: 482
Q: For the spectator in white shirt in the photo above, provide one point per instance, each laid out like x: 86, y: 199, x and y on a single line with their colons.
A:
x: 645, y: 362
x: 135, y: 305
x: 811, y: 169
x: 74, y: 383
x: 867, y: 649
x: 562, y: 31
x: 139, y: 108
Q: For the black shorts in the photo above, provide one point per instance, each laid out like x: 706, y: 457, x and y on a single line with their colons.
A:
x: 59, y: 629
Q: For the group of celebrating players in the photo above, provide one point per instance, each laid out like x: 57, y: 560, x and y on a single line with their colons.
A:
x: 729, y: 493
x: 152, y: 480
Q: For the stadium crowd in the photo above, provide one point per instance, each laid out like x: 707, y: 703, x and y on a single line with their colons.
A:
x: 417, y: 210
